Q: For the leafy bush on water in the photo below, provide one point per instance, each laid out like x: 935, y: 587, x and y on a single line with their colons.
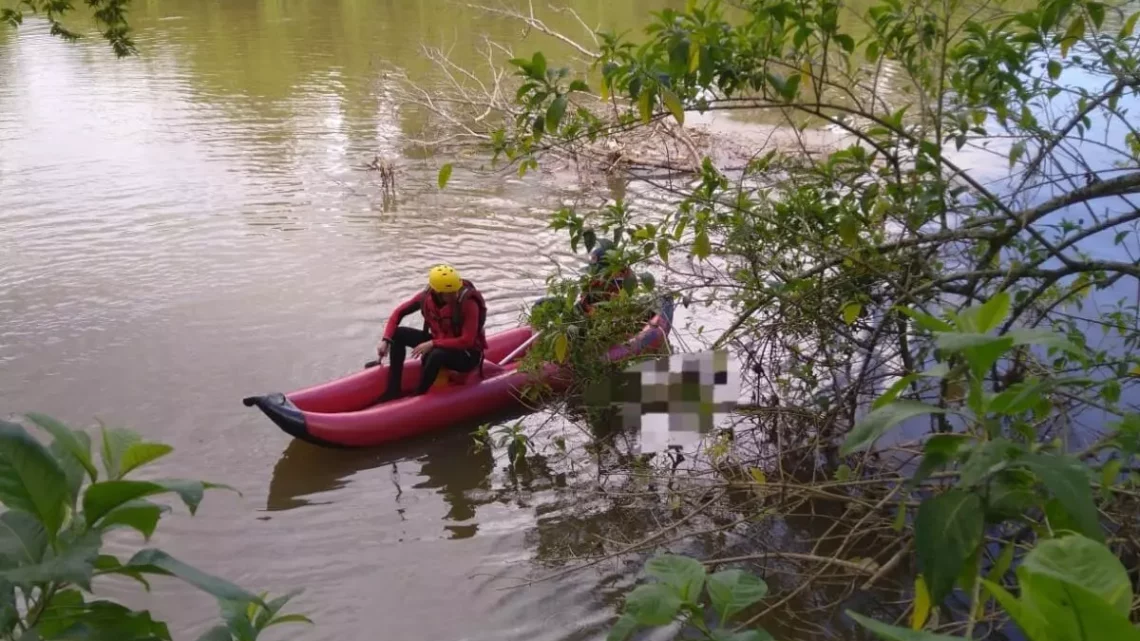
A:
x: 59, y: 510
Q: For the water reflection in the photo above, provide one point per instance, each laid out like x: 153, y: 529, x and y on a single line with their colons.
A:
x: 448, y: 462
x: 456, y: 467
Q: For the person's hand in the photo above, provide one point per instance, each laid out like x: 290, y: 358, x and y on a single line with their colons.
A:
x: 382, y: 349
x: 422, y: 349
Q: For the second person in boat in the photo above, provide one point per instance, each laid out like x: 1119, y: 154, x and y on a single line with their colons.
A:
x: 452, y: 337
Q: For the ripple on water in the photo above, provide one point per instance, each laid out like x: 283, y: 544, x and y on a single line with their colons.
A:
x: 170, y: 244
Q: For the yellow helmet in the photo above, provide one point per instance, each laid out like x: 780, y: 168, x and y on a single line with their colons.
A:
x: 444, y: 279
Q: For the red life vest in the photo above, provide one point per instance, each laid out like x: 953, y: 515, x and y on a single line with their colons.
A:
x: 435, y: 314
x: 602, y: 288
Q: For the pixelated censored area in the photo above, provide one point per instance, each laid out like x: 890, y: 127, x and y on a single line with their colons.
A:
x: 675, y: 399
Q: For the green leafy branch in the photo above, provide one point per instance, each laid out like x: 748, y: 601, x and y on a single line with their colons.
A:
x: 52, y: 533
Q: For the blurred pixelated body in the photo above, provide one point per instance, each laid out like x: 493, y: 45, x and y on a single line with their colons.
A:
x: 675, y: 399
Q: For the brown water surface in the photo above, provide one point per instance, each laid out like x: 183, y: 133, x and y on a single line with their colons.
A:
x: 193, y: 226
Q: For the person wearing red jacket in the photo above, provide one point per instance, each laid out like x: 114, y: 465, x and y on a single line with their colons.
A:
x: 602, y: 286
x: 454, y: 315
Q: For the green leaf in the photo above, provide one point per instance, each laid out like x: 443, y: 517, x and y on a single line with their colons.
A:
x: 1110, y: 472
x: 1054, y: 69
x: 139, y: 454
x: 981, y: 350
x: 274, y: 606
x: 900, y: 519
x: 1011, y: 494
x: 872, y: 51
x: 1027, y: 619
x: 1075, y: 32
x: 116, y: 441
x: 105, y: 496
x: 561, y: 348
x: 554, y: 113
x: 1020, y: 397
x: 30, y: 478
x: 851, y: 312
x: 645, y: 105
x: 993, y: 312
x: 108, y: 564
x: 1066, y: 479
x: 673, y: 104
x: 654, y: 604
x: 219, y: 588
x: 733, y: 591
x: 937, y: 452
x: 846, y: 41
x: 1096, y: 12
x: 625, y: 626
x: 791, y: 87
x: 921, y: 610
x: 1003, y: 563
x: 969, y: 574
x: 1076, y: 589
x: 701, y: 245
x: 1059, y: 519
x: 538, y: 65
x: 663, y: 249
x: 849, y: 230
x: 985, y: 459
x: 9, y: 612
x: 444, y: 175
x: 579, y: 85
x: 23, y: 539
x: 72, y: 468
x: 1129, y: 25
x: 100, y: 621
x: 894, y: 390
x: 290, y: 618
x: 140, y: 515
x: 925, y: 321
x: 948, y: 528
x: 1016, y: 152
x: 74, y: 564
x: 1085, y: 563
x: 684, y: 574
x: 895, y: 633
x: 75, y: 442
x: 876, y: 423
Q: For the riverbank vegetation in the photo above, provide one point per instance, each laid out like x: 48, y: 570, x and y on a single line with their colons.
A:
x: 936, y: 306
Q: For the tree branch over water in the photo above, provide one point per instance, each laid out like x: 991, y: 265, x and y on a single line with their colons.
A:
x: 926, y: 175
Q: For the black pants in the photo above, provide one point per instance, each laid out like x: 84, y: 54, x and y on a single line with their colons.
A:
x: 459, y: 360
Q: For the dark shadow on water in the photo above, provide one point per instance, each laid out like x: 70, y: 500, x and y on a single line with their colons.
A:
x: 449, y: 463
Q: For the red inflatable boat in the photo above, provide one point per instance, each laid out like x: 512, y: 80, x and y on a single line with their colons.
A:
x: 344, y: 412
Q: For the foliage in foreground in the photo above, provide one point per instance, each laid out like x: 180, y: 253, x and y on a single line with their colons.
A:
x: 994, y: 484
x: 1071, y: 588
x: 682, y: 591
x: 58, y: 512
x: 110, y: 17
